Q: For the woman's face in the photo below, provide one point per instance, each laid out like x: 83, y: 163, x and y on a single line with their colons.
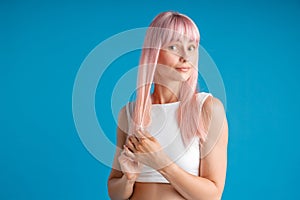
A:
x: 177, y: 60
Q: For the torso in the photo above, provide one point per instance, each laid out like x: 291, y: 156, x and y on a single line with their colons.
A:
x: 164, y: 191
x: 157, y: 191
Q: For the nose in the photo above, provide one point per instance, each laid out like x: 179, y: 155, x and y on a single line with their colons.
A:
x: 184, y: 56
x: 182, y: 59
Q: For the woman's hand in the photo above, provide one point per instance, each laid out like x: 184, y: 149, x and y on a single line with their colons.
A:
x: 129, y: 166
x: 146, y: 149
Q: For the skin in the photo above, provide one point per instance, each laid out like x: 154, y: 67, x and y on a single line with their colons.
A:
x: 145, y: 149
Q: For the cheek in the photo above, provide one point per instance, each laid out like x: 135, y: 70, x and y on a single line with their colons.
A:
x: 167, y: 59
x: 165, y: 73
x: 194, y: 58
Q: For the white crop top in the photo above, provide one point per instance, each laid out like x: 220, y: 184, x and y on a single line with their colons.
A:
x: 165, y: 129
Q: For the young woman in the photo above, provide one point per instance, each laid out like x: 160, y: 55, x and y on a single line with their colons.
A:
x: 172, y: 143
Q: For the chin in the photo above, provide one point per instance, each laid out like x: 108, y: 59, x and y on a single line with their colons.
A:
x: 184, y: 77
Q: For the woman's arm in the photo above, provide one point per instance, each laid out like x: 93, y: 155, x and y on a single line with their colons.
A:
x: 120, y: 185
x: 210, y: 184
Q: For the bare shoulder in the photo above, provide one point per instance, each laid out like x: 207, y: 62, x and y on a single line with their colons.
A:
x: 212, y: 109
x: 122, y: 113
x: 213, y: 105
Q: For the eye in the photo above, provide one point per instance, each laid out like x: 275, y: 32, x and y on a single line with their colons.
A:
x: 191, y: 48
x: 173, y: 48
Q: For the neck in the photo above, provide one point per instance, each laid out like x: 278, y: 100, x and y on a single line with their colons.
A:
x: 163, y: 94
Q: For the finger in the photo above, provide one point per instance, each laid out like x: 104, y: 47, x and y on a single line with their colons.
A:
x: 130, y: 146
x: 140, y: 138
x: 129, y: 153
x: 134, y: 141
x: 138, y: 147
x: 139, y: 134
x: 130, y: 176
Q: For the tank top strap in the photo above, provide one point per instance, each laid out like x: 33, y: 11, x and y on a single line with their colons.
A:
x: 202, y: 96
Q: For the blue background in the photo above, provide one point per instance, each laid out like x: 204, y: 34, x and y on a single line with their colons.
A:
x: 255, y: 45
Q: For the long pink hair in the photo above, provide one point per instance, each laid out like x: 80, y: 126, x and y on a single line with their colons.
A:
x: 167, y: 27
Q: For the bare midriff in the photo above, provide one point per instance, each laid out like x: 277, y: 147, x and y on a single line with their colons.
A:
x: 157, y: 191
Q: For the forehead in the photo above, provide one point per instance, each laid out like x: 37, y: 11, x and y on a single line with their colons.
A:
x: 184, y: 41
x: 180, y: 37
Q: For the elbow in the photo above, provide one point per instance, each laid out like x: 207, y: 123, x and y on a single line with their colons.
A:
x: 212, y: 194
x: 115, y: 192
x: 111, y: 193
x: 218, y: 196
x: 215, y: 194
x: 109, y: 189
x: 217, y: 191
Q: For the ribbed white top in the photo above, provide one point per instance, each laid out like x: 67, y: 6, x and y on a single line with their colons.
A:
x: 165, y: 129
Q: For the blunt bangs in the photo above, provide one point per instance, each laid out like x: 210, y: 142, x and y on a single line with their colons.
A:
x: 176, y: 27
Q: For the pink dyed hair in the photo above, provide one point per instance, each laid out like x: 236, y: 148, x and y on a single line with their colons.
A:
x: 167, y: 27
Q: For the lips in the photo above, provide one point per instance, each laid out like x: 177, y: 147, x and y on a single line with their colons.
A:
x: 183, y: 69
